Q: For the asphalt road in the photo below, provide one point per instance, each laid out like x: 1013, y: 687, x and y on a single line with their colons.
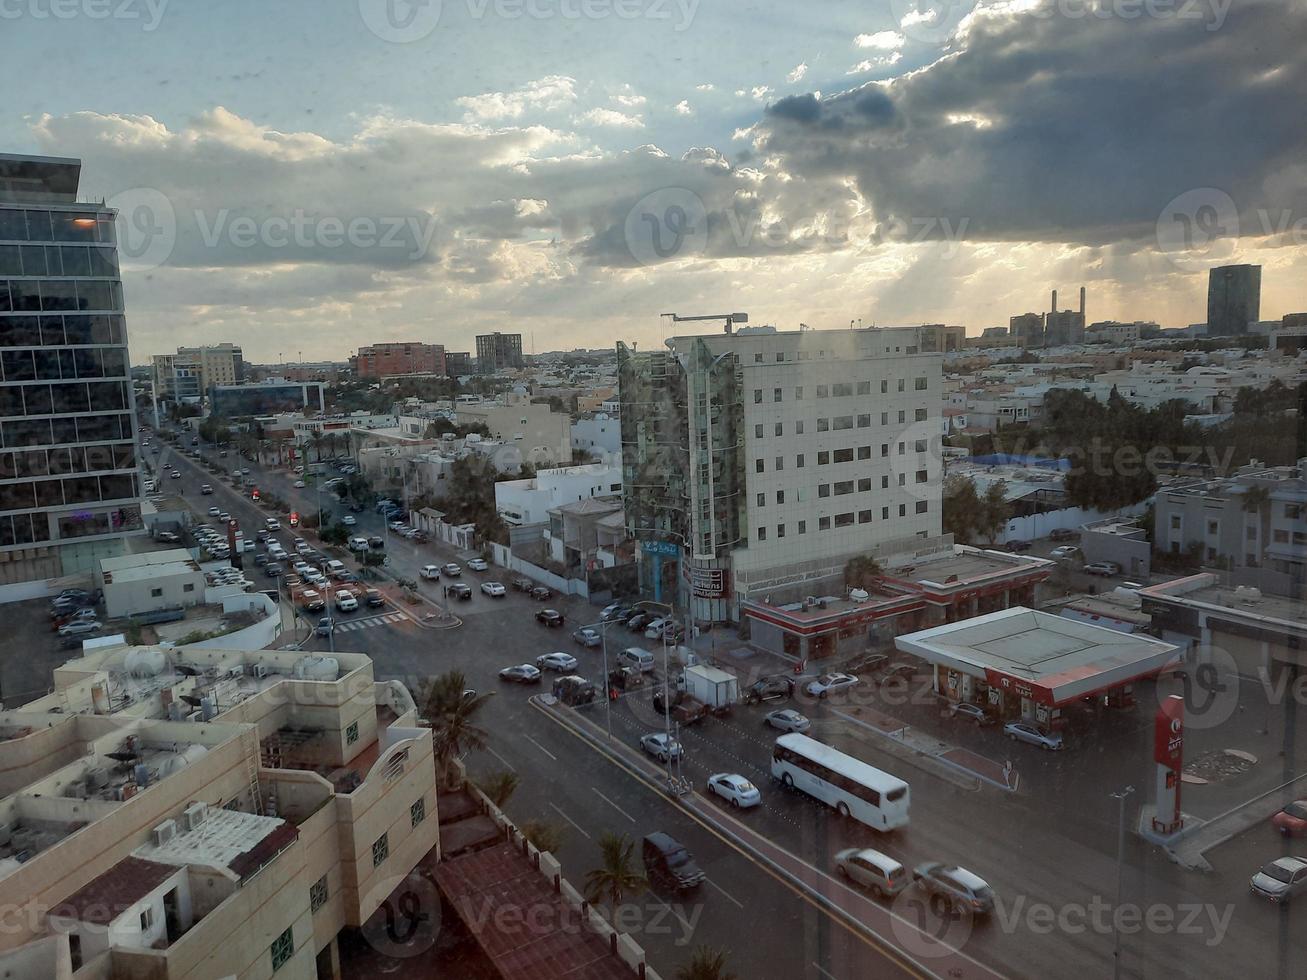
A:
x: 1049, y: 851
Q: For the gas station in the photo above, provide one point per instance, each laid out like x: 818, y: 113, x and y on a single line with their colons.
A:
x: 1030, y: 665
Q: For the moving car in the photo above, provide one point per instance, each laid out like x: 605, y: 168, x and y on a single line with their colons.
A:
x: 970, y: 712
x: 667, y: 861
x: 461, y: 591
x: 654, y: 628
x: 639, y: 621
x: 206, y: 489
x: 272, y: 524
x: 348, y: 520
x: 557, y: 661
x: 1281, y: 879
x: 734, y: 788
x: 661, y: 746
x: 962, y: 889
x: 214, y: 511
x: 522, y: 674
x: 478, y: 564
x: 272, y: 569
x: 430, y: 572
x: 1292, y: 820
x: 829, y: 683
x: 588, y: 637
x: 298, y: 484
x: 1021, y: 731
x: 866, y: 664
x: 550, y: 617
x: 376, y: 541
x: 345, y: 602
x: 494, y: 589
x: 614, y: 611
x: 1017, y: 545
x: 1065, y: 552
x: 1104, y: 568
x: 787, y: 720
x: 540, y: 593
x: 451, y: 570
x: 375, y: 598
x: 1063, y: 534
x: 872, y: 870
x: 769, y: 689
x: 895, y: 671
x: 325, y: 626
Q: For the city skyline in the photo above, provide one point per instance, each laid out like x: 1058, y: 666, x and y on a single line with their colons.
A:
x: 850, y: 135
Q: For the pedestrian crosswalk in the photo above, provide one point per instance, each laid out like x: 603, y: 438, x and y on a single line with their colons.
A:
x: 345, y: 625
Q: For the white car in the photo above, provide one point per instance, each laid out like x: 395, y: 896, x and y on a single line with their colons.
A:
x: 493, y: 589
x: 478, y: 564
x: 298, y: 484
x: 734, y: 788
x: 346, y: 602
x: 430, y: 572
x: 348, y: 520
x: 1020, y: 731
x: 272, y: 524
x: 655, y: 629
x: 661, y: 746
x: 827, y: 683
x: 522, y: 673
x: 214, y: 511
x: 787, y: 720
x: 556, y: 661
x: 1065, y: 551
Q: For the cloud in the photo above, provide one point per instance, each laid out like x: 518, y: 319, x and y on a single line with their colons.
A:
x: 798, y: 73
x: 705, y: 87
x: 682, y: 108
x: 627, y: 98
x: 875, y: 64
x: 545, y: 94
x: 609, y: 117
x: 880, y: 41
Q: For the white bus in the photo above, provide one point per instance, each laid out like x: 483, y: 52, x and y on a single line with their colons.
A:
x: 854, y: 788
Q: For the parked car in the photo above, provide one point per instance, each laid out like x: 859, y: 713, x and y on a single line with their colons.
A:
x: 588, y: 637
x: 541, y: 593
x: 899, y: 670
x: 451, y: 570
x: 787, y: 720
x: 461, y: 591
x: 879, y: 873
x: 1281, y: 879
x: 667, y: 861
x: 521, y: 674
x: 1017, y: 545
x: 970, y: 712
x: 734, y: 789
x: 616, y: 611
x: 1292, y: 820
x: 167, y: 537
x: 562, y: 662
x: 1066, y: 552
x: 522, y: 584
x: 654, y: 628
x: 962, y: 889
x: 79, y: 627
x: 830, y: 683
x: 1104, y: 568
x: 1021, y: 731
x: 550, y: 617
x: 661, y: 746
x: 1063, y: 534
x: 478, y: 564
x: 639, y: 621
x: 376, y: 541
x: 772, y: 688
x: 494, y: 589
x: 868, y: 663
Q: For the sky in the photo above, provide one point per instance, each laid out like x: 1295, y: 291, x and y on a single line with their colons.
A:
x: 302, y: 177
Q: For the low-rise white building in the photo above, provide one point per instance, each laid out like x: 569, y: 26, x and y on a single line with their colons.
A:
x: 600, y: 435
x: 144, y: 583
x: 523, y: 502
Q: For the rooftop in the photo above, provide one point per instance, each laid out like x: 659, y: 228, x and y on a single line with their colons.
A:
x: 103, y: 899
x: 1205, y: 588
x: 240, y: 842
x: 1051, y: 659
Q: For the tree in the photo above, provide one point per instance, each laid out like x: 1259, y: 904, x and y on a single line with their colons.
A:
x: 994, y: 511
x: 336, y: 534
x: 317, y: 439
x: 961, y: 508
x: 617, y: 875
x: 705, y: 963
x: 544, y: 835
x: 498, y: 787
x: 450, y: 708
x: 861, y: 572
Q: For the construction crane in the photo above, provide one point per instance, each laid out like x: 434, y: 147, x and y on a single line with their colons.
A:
x: 730, y: 318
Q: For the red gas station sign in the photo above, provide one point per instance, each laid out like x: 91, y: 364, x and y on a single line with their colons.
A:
x: 1168, y: 753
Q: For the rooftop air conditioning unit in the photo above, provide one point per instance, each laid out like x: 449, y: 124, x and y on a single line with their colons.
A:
x: 259, y: 670
x: 163, y: 833
x: 96, y: 779
x: 237, y: 671
x: 194, y: 815
x: 858, y: 595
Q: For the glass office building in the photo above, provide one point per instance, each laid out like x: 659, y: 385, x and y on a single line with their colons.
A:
x: 69, y: 479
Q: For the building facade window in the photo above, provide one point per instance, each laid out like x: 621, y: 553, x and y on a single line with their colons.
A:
x: 380, y: 850
x: 318, y: 894
x: 417, y: 812
x: 283, y: 947
x: 352, y: 733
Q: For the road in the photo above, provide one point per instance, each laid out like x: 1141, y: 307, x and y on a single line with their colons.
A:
x: 1049, y: 851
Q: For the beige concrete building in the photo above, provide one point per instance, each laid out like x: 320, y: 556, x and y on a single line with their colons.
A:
x: 206, y: 813
x: 543, y: 436
x: 192, y: 371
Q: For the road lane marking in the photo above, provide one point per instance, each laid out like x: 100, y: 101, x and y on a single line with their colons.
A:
x: 540, y: 747
x: 825, y: 973
x: 729, y: 896
x: 571, y: 821
x: 610, y: 803
x: 511, y: 767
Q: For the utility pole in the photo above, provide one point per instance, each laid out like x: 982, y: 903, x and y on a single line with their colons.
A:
x: 1120, y: 874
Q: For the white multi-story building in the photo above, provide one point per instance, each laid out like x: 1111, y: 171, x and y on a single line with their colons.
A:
x: 600, y: 435
x: 523, y: 502
x: 765, y: 461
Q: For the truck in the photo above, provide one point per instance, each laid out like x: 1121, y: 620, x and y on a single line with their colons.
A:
x: 718, y: 689
x: 574, y: 690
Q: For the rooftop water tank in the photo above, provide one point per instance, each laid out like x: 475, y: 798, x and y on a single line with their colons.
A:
x: 145, y: 662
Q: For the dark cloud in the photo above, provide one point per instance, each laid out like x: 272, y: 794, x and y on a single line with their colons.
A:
x: 800, y: 108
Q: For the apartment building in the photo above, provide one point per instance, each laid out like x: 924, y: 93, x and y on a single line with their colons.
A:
x: 525, y: 502
x: 756, y: 465
x: 388, y: 360
x: 187, y: 375
x: 543, y: 435
x: 69, y: 477
x: 206, y: 813
x: 498, y: 352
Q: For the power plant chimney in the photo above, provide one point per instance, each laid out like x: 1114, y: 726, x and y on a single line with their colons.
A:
x: 1082, y: 300
x: 1055, y: 301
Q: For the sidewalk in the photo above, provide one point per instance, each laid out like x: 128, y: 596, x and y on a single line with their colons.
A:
x: 1190, y: 848
x: 900, y: 938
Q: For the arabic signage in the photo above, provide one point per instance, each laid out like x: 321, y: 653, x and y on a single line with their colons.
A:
x: 710, y: 583
x: 669, y: 548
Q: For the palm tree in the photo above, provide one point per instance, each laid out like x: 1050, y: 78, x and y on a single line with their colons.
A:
x: 317, y: 444
x: 450, y: 708
x: 544, y: 835
x: 705, y: 963
x: 498, y: 787
x: 617, y: 876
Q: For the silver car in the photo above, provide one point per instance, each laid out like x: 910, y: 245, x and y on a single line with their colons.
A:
x: 788, y: 720
x: 1021, y: 731
x: 1281, y: 879
x: 872, y: 870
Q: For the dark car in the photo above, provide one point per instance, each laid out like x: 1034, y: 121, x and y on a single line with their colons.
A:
x: 540, y: 593
x: 376, y: 541
x: 574, y: 690
x: 550, y: 617
x: 1017, y: 545
x: 622, y: 613
x: 355, y: 508
x: 375, y: 598
x: 461, y: 590
x: 522, y: 584
x: 868, y: 663
x: 639, y: 621
x: 667, y: 861
x: 1063, y: 534
x: 769, y: 689
x: 272, y: 569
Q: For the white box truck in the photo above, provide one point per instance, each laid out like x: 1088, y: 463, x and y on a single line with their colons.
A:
x: 718, y: 689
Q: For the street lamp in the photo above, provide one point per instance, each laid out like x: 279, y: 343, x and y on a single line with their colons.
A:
x: 1120, y: 874
x: 603, y: 643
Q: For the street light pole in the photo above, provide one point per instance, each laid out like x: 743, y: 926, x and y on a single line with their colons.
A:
x: 1120, y: 874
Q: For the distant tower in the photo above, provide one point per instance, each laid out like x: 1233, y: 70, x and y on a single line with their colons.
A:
x: 1234, y: 299
x: 1082, y: 301
x: 1054, y: 307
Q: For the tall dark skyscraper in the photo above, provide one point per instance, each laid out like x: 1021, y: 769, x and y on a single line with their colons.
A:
x: 69, y: 481
x: 1234, y: 299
